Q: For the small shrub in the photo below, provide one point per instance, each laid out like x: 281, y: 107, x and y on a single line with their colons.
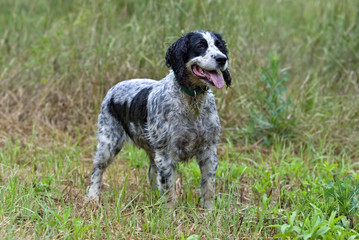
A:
x: 270, y: 118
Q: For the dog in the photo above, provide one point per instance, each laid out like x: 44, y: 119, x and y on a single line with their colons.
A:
x: 173, y: 119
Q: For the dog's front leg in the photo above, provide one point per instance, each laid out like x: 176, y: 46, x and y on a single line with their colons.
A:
x: 166, y: 177
x: 208, y: 163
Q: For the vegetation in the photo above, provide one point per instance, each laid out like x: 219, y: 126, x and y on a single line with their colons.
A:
x: 290, y: 140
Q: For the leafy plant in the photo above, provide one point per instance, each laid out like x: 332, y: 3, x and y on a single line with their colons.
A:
x: 343, y: 196
x: 271, y: 117
x: 289, y: 229
x: 315, y: 226
x: 43, y: 185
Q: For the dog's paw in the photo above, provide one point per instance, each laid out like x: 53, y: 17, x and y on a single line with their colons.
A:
x: 168, y: 200
x: 171, y: 204
x: 207, y: 205
x: 89, y: 199
x: 92, y: 202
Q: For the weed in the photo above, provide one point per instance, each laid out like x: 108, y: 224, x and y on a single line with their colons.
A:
x: 315, y: 227
x: 272, y: 119
x: 342, y: 196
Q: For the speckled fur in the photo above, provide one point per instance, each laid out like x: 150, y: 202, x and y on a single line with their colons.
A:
x: 160, y: 118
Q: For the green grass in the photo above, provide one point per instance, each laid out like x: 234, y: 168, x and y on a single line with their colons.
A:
x: 43, y: 197
x: 290, y: 138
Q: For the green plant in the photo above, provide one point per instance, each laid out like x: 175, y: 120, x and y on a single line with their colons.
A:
x: 315, y: 226
x: 288, y: 229
x: 271, y: 118
x: 135, y: 158
x: 342, y: 196
x: 43, y: 185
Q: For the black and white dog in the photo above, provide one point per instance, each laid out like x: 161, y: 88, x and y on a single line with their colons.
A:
x: 173, y: 120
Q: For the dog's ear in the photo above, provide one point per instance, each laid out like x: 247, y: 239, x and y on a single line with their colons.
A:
x: 227, y: 77
x: 175, y: 57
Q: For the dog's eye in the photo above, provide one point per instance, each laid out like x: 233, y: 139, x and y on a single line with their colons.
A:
x: 202, y: 44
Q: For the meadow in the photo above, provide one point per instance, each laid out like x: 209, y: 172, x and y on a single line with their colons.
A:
x: 289, y: 147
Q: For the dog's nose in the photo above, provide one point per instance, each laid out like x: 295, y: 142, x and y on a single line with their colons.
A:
x: 220, y: 59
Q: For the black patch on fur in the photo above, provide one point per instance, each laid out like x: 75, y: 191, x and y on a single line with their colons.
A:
x: 197, y: 46
x: 138, y: 107
x: 163, y: 180
x: 220, y: 43
x: 133, y: 112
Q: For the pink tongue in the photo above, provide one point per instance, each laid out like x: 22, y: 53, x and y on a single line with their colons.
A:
x: 213, y: 76
x: 216, y: 78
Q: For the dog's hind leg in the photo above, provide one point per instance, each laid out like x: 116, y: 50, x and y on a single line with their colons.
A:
x: 110, y: 140
x: 152, y: 171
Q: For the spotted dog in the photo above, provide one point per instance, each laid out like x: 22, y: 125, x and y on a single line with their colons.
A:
x: 173, y: 119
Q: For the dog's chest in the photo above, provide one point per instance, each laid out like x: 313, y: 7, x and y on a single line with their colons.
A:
x: 189, y: 139
x: 182, y: 136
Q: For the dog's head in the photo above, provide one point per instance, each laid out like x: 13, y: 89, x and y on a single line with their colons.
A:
x: 199, y: 58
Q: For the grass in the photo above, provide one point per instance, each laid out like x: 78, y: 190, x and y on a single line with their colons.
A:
x: 289, y: 147
x: 43, y: 197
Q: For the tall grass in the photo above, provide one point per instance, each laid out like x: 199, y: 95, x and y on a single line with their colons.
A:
x: 58, y: 59
x: 55, y: 54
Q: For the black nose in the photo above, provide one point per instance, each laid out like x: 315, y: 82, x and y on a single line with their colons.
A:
x: 221, y: 60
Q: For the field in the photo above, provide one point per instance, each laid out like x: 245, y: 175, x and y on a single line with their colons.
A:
x: 289, y: 148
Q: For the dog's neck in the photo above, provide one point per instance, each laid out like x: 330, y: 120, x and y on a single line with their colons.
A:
x: 191, y: 90
x: 193, y: 99
x: 195, y: 92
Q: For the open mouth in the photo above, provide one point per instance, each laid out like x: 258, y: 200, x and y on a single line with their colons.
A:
x: 213, y: 77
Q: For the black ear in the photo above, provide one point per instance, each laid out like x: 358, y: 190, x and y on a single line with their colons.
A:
x: 175, y: 58
x: 227, y: 77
